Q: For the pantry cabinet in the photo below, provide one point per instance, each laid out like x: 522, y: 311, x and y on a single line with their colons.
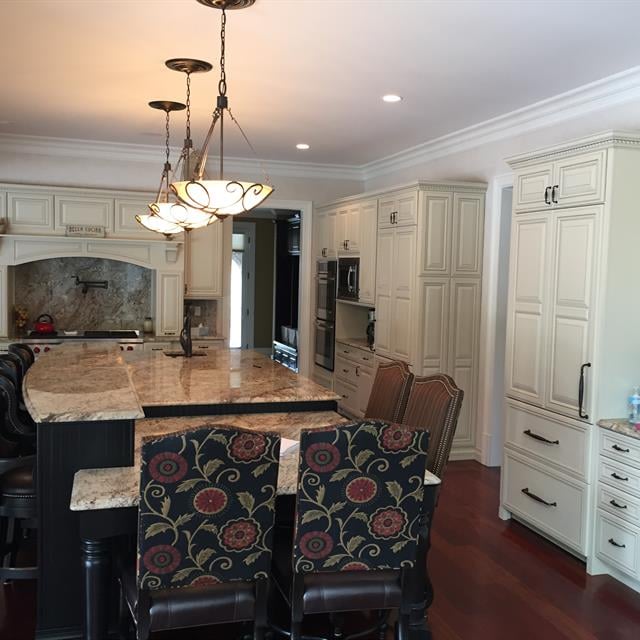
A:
x: 325, y: 233
x: 204, y: 256
x: 569, y: 359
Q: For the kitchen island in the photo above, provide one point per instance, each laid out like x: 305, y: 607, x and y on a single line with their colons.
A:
x: 87, y: 399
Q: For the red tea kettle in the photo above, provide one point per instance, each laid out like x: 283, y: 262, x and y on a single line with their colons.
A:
x: 44, y: 324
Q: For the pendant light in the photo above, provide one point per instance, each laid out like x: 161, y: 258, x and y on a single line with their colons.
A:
x: 154, y: 221
x: 222, y: 197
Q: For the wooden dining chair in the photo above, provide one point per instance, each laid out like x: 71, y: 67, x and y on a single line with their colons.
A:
x: 359, y: 509
x: 389, y: 393
x: 206, y: 514
x: 434, y: 403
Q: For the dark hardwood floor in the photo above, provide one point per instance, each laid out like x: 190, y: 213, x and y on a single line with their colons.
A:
x: 493, y: 580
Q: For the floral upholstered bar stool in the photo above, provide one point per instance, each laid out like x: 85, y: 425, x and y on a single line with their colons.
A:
x: 206, y: 515
x: 360, y: 505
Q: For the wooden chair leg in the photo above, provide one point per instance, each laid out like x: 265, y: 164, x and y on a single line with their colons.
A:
x: 337, y: 624
x: 402, y: 627
x: 296, y: 631
x: 383, y: 625
x: 260, y: 623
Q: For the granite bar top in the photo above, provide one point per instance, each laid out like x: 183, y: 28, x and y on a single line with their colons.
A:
x: 118, y: 487
x: 77, y: 382
x: 86, y: 382
x: 620, y: 425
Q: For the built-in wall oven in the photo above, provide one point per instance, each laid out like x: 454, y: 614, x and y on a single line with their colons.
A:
x: 325, y: 313
x: 348, y: 279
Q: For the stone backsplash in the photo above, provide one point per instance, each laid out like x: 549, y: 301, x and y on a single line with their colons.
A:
x: 208, y: 314
x: 48, y: 286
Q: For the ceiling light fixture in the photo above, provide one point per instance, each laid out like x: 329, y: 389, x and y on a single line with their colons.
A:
x: 221, y: 197
x: 392, y: 97
x: 303, y: 146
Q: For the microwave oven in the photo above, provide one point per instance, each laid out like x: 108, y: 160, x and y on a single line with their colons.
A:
x: 348, y: 274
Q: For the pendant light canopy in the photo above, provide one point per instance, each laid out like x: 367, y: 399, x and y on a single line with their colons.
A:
x: 222, y: 197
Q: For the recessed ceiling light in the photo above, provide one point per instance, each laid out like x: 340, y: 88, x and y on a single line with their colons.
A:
x: 392, y: 97
x: 303, y: 146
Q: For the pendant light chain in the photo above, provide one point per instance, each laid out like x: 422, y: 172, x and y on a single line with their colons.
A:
x: 167, y: 164
x: 222, y: 83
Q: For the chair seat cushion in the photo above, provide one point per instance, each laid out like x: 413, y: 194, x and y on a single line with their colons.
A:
x: 193, y: 606
x: 329, y: 591
x: 18, y: 483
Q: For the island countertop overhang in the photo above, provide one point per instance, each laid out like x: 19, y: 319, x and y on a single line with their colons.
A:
x: 85, y: 382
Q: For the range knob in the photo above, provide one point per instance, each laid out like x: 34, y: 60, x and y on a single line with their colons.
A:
x: 129, y: 348
x: 36, y: 349
x: 47, y: 349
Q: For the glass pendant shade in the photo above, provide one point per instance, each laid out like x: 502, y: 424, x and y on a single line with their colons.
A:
x: 157, y: 224
x: 221, y: 197
x: 176, y: 213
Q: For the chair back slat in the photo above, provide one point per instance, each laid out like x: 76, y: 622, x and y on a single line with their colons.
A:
x: 389, y: 392
x: 207, y: 504
x: 434, y: 404
x: 360, y: 497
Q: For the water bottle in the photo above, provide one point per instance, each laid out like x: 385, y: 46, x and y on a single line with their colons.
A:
x: 634, y: 408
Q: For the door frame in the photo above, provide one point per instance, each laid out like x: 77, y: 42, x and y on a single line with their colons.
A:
x: 248, y: 229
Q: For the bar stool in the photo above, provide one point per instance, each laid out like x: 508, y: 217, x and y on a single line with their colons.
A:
x: 18, y: 426
x: 24, y: 352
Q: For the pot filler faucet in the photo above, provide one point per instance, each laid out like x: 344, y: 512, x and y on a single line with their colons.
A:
x: 91, y: 284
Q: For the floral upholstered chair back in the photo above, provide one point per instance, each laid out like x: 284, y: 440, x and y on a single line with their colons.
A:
x: 207, y: 504
x: 360, y: 497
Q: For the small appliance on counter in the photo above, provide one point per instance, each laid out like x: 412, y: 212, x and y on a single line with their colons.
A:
x: 44, y: 325
x: 371, y: 328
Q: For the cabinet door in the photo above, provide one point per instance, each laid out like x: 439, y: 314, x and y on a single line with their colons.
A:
x: 433, y: 330
x: 83, y: 210
x: 365, y: 383
x: 407, y: 208
x: 367, y: 245
x: 527, y: 307
x: 126, y: 225
x: 386, y: 208
x: 341, y: 229
x: 318, y: 233
x: 468, y: 231
x: 169, y: 303
x: 463, y: 349
x: 3, y: 205
x: 530, y: 185
x: 204, y: 256
x: 435, y: 243
x: 384, y: 293
x: 353, y: 228
x: 329, y: 233
x: 580, y: 180
x: 403, y: 270
x: 573, y: 290
x: 30, y: 212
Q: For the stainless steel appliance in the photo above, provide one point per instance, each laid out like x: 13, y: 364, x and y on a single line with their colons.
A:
x: 285, y: 355
x: 43, y: 343
x: 325, y: 313
x: 348, y: 276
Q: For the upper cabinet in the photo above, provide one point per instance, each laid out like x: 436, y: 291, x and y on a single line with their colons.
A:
x: 567, y: 182
x: 367, y: 217
x: 125, y: 223
x: 325, y: 233
x: 204, y: 256
x: 348, y: 229
x: 77, y: 209
x: 398, y: 209
x: 30, y: 211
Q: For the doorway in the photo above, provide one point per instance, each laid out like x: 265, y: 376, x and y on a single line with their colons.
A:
x: 242, y: 285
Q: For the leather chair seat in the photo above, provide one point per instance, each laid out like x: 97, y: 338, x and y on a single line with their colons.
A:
x: 193, y: 606
x: 333, y: 591
x: 18, y: 483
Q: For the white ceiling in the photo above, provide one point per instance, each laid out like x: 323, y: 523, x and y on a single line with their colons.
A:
x: 302, y: 70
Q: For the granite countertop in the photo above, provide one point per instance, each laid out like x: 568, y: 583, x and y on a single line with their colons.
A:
x: 357, y: 343
x: 620, y: 425
x: 118, y: 487
x: 85, y: 382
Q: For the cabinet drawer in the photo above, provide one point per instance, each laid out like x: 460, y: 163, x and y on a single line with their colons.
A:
x: 619, y: 475
x: 348, y: 396
x: 346, y: 370
x: 560, y: 444
x: 359, y: 356
x: 618, y: 543
x: 619, y: 503
x: 620, y: 448
x: 526, y: 485
x: 161, y: 346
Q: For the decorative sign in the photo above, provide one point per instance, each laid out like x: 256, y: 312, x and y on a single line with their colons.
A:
x: 85, y: 230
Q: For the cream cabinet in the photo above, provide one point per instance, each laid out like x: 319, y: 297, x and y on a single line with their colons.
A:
x: 569, y: 359
x: 125, y: 223
x: 204, y: 257
x: 354, y: 373
x: 398, y: 209
x: 348, y: 228
x: 325, y: 232
x: 368, y: 211
x: 78, y: 209
x: 169, y: 303
x: 30, y: 212
x: 567, y: 182
x: 394, y: 292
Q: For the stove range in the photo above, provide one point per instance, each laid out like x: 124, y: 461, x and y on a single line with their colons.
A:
x: 128, y: 340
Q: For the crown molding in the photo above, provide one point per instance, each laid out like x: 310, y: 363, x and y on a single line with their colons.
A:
x: 148, y: 154
x: 602, y: 94
x: 613, y: 90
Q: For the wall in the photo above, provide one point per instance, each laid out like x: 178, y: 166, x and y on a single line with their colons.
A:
x: 48, y: 286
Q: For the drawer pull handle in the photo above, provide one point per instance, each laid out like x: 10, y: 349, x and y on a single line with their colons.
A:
x: 535, y: 436
x: 533, y: 496
x: 616, y: 544
x: 616, y: 505
x: 619, y: 448
x: 345, y: 371
x: 617, y: 477
x: 344, y: 396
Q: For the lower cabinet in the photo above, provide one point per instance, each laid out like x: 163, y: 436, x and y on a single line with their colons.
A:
x: 354, y: 373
